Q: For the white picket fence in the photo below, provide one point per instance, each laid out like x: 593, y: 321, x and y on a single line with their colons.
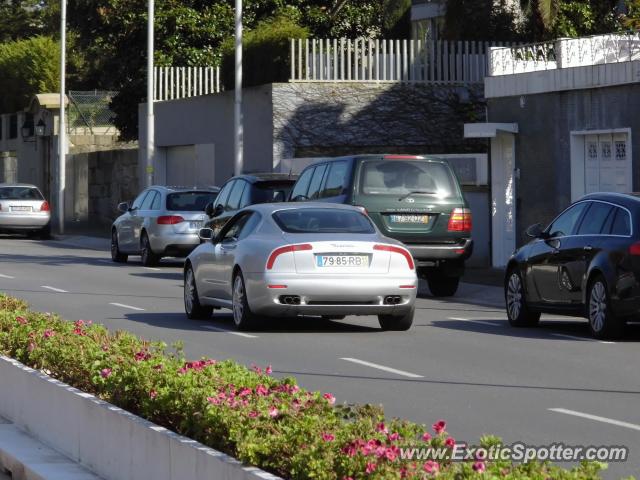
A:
x: 172, y: 83
x: 384, y: 60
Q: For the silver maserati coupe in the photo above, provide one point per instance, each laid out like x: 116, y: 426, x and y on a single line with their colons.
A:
x: 290, y: 260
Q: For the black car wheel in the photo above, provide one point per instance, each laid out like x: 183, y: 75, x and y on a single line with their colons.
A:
x: 192, y: 306
x: 148, y: 257
x: 602, y: 321
x: 518, y: 312
x: 397, y: 323
x: 116, y: 255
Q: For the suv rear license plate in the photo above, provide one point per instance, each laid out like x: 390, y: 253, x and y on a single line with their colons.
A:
x: 195, y: 225
x: 342, y: 260
x: 20, y: 209
x: 424, y: 219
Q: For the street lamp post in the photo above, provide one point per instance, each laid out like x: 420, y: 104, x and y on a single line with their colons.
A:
x: 238, y: 124
x: 62, y: 129
x: 150, y: 84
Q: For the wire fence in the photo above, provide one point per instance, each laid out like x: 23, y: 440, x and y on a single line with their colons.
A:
x: 89, y: 112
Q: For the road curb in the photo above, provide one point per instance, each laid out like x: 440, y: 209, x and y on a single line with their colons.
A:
x: 109, y: 441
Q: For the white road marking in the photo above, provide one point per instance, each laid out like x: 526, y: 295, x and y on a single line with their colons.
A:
x: 122, y: 305
x: 480, y: 322
x: 583, y: 339
x: 6, y: 276
x: 153, y: 268
x: 596, y: 418
x: 239, y: 334
x: 382, y: 367
x: 54, y: 289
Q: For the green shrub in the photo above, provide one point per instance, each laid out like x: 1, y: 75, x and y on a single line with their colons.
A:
x: 27, y: 67
x: 265, y: 53
x: 268, y: 422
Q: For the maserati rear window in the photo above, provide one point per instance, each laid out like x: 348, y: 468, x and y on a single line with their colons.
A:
x: 323, y: 220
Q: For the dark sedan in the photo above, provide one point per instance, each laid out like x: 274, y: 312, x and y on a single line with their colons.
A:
x: 585, y: 263
x: 244, y: 190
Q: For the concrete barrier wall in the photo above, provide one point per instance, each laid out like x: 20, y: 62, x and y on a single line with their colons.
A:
x: 109, y: 441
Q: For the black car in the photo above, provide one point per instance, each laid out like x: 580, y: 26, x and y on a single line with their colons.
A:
x: 243, y: 190
x: 585, y: 263
x: 416, y: 200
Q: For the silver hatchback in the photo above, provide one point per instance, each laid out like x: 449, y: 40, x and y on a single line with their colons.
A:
x: 161, y: 222
x: 24, y: 209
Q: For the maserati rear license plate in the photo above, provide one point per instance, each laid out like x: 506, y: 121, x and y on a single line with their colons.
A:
x: 20, y: 209
x: 342, y: 260
x: 423, y: 219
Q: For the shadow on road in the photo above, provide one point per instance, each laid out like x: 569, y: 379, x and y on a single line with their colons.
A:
x: 224, y: 321
x: 547, y: 329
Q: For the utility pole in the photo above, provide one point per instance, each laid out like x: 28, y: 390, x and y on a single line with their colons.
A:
x: 62, y: 128
x: 237, y: 117
x: 150, y: 85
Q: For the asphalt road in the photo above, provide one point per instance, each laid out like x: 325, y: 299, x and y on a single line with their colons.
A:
x: 461, y: 361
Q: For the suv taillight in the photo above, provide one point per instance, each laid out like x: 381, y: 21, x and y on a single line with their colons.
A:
x: 45, y: 207
x: 460, y: 220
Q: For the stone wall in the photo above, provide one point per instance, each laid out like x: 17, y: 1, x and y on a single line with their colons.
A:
x: 97, y: 181
x: 329, y: 119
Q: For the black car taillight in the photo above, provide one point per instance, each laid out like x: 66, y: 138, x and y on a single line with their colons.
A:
x: 634, y: 249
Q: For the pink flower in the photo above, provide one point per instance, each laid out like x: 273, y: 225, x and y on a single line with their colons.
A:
x: 479, y: 467
x: 450, y: 442
x: 262, y: 391
x: 329, y: 398
x: 32, y: 346
x: 391, y: 453
x: 158, y: 367
x: 105, y: 372
x: 256, y: 369
x: 105, y: 348
x: 381, y: 428
x: 78, y: 331
x: 347, y: 478
x: 426, y: 436
x: 21, y: 320
x: 79, y: 323
x: 49, y: 333
x: 213, y: 400
x: 273, y: 412
x: 153, y: 394
x: 328, y: 437
x: 371, y: 467
x: 439, y: 426
x: 245, y: 392
x: 268, y: 370
x: 253, y: 414
x: 392, y: 437
x: 431, y: 467
x: 142, y: 355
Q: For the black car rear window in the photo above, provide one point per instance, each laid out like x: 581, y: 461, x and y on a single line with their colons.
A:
x: 20, y: 193
x: 323, y: 220
x: 402, y: 177
x: 189, y: 201
x: 265, y: 192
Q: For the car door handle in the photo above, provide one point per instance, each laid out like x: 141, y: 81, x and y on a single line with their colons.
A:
x: 587, y: 248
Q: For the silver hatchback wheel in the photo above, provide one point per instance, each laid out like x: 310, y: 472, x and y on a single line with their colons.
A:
x: 597, y: 306
x: 514, y: 296
x: 189, y: 291
x: 238, y: 300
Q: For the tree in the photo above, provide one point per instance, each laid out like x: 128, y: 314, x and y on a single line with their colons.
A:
x: 20, y: 19
x: 27, y: 67
x: 481, y: 20
x: 631, y: 18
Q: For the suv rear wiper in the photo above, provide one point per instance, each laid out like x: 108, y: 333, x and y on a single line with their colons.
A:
x: 417, y: 192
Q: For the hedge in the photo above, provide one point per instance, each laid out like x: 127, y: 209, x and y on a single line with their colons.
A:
x: 265, y: 53
x: 247, y: 413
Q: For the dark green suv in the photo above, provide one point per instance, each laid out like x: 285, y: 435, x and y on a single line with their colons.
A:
x: 416, y: 200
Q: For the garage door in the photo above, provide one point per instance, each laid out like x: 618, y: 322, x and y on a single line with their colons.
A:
x: 181, y: 165
x: 607, y: 164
